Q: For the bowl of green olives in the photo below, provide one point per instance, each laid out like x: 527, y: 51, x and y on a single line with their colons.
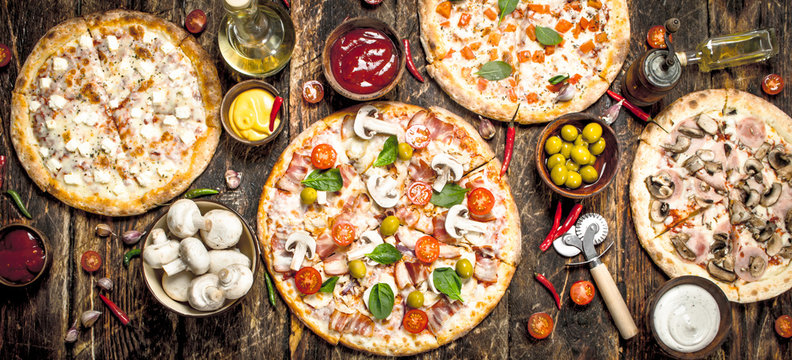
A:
x: 577, y: 155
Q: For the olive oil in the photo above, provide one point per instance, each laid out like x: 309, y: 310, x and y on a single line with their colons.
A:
x: 732, y: 50
x: 256, y: 37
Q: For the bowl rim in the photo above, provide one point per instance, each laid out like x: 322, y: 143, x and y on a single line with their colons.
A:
x: 254, y: 263
x: 539, y: 155
x: 45, y: 246
x: 237, y: 89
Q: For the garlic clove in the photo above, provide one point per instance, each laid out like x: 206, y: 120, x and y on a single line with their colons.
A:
x: 485, y: 128
x: 103, y: 230
x: 105, y: 284
x: 233, y: 179
x: 88, y: 318
x: 131, y: 237
x: 72, y: 333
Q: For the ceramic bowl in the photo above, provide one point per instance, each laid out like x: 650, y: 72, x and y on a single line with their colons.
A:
x: 44, y: 242
x: 239, y: 88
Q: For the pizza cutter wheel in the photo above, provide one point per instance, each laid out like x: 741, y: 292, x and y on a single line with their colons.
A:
x: 578, y: 230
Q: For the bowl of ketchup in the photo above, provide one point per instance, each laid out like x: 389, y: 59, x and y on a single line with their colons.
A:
x: 24, y: 255
x: 363, y: 59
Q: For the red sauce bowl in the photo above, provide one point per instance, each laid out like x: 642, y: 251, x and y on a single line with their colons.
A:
x: 21, y: 246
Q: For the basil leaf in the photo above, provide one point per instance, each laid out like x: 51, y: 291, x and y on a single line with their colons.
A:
x: 495, y: 70
x: 558, y: 79
x: 388, y: 154
x: 451, y: 195
x: 506, y: 7
x: 447, y: 282
x: 381, y: 300
x: 329, y: 180
x: 329, y: 285
x: 547, y: 36
x: 385, y: 254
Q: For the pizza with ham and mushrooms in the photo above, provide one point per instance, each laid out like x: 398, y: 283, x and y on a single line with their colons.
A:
x: 711, y: 197
x: 551, y: 57
x: 116, y: 112
x: 388, y: 228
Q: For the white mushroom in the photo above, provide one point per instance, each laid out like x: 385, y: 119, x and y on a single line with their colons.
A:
x: 302, y: 245
x: 235, y: 281
x: 192, y: 256
x: 383, y: 190
x: 177, y: 286
x: 220, y: 259
x: 369, y: 240
x: 457, y: 223
x: 367, y: 126
x: 447, y: 168
x: 184, y: 219
x: 161, y: 250
x: 205, y: 293
x: 224, y: 231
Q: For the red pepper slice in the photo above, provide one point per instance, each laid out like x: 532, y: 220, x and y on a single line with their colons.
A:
x: 410, y: 63
x: 634, y: 109
x: 274, y: 112
x: 553, y: 230
x: 288, y: 6
x: 509, y: 147
x: 543, y: 280
x: 570, y: 220
x: 120, y: 314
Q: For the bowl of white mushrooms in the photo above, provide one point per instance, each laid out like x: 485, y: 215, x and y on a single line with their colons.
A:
x: 199, y: 258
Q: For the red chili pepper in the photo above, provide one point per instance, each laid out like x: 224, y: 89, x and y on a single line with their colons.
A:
x: 120, y: 314
x: 410, y: 63
x: 2, y: 169
x: 287, y: 4
x: 553, y: 231
x: 543, y: 280
x: 508, y: 148
x: 634, y: 109
x: 570, y: 220
x: 274, y: 112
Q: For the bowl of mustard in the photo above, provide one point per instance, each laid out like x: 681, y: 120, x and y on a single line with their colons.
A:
x: 246, y: 109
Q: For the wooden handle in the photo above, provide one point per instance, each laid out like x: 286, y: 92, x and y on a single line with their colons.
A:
x: 613, y: 299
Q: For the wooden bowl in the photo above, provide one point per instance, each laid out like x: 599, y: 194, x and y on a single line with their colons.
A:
x: 233, y: 93
x: 248, y: 245
x: 607, y: 164
x: 724, y: 308
x: 356, y: 23
x: 44, y: 246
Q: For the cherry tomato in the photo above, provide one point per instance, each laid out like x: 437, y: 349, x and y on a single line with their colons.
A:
x: 773, y: 84
x: 480, y: 201
x: 323, y: 156
x: 196, y: 21
x: 540, y: 325
x: 582, y: 292
x: 373, y: 2
x: 91, y: 261
x: 427, y: 249
x: 5, y: 55
x: 419, y: 193
x: 418, y: 136
x: 312, y: 91
x: 308, y: 280
x: 343, y: 233
x: 655, y: 37
x: 783, y: 326
x: 415, y: 321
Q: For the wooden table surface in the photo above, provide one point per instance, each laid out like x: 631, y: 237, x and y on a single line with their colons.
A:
x: 34, y: 320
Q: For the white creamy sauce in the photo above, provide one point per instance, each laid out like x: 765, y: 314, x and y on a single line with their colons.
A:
x: 686, y: 318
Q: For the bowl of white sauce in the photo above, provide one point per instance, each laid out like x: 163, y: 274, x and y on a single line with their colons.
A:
x: 689, y: 317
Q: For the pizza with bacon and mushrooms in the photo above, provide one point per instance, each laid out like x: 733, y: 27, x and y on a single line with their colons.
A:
x: 388, y: 228
x: 711, y: 197
x: 551, y: 57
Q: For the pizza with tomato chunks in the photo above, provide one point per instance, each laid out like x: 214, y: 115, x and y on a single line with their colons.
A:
x: 551, y: 57
x: 711, y: 197
x: 388, y: 228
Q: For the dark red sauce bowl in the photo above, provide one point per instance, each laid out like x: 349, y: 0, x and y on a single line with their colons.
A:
x: 24, y: 255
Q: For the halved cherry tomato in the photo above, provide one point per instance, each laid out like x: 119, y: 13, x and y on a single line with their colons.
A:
x: 773, y: 84
x: 480, y: 201
x: 419, y: 193
x: 427, y: 249
x: 312, y: 91
x: 308, y: 280
x: 373, y: 2
x: 415, y: 321
x: 540, y: 325
x: 582, y: 292
x: 91, y: 261
x: 418, y: 136
x: 323, y: 156
x: 196, y: 21
x: 783, y: 326
x: 656, y: 37
x: 5, y: 55
x: 343, y: 233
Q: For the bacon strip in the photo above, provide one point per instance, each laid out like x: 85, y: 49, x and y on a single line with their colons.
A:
x: 449, y: 252
x: 420, y: 171
x: 440, y: 312
x: 336, y: 265
x: 348, y: 173
x: 282, y: 261
x: 408, y: 215
x: 325, y: 245
x: 439, y: 232
x: 402, y: 275
x: 295, y: 173
x: 486, y: 268
x: 418, y: 272
x: 351, y: 323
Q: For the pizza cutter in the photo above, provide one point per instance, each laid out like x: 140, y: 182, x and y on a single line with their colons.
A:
x: 591, y: 227
x: 570, y: 251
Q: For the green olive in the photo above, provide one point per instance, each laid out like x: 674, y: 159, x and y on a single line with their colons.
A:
x: 553, y: 145
x: 554, y: 160
x: 464, y: 269
x: 559, y: 174
x: 579, y: 141
x: 389, y: 226
x: 597, y: 147
x: 589, y: 174
x: 405, y: 151
x: 357, y: 269
x: 592, y: 132
x: 308, y: 196
x: 592, y: 160
x: 580, y: 155
x: 569, y: 132
x: 566, y: 149
x: 572, y: 180
x: 571, y: 165
x: 415, y: 299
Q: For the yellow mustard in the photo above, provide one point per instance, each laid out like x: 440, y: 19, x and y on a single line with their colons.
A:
x: 249, y: 114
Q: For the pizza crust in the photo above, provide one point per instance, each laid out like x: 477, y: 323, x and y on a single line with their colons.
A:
x: 122, y: 17
x: 49, y: 44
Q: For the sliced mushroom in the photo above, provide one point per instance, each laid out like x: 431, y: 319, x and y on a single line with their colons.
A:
x: 774, y: 245
x: 752, y: 198
x: 703, y: 202
x: 693, y: 164
x: 757, y: 266
x: 660, y: 186
x: 447, y: 169
x: 695, y: 133
x: 771, y: 196
x: 383, y: 190
x: 720, y: 246
x: 786, y: 252
x: 727, y: 149
x: 740, y: 214
x: 706, y: 154
x: 762, y: 151
x: 707, y: 123
x: 681, y: 145
x: 366, y: 126
x: 368, y: 240
x: 712, y: 167
x: 777, y: 158
x: 302, y: 245
x: 765, y: 232
x: 752, y: 166
x: 659, y: 211
x: 457, y: 223
x: 680, y: 244
x: 717, y: 271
